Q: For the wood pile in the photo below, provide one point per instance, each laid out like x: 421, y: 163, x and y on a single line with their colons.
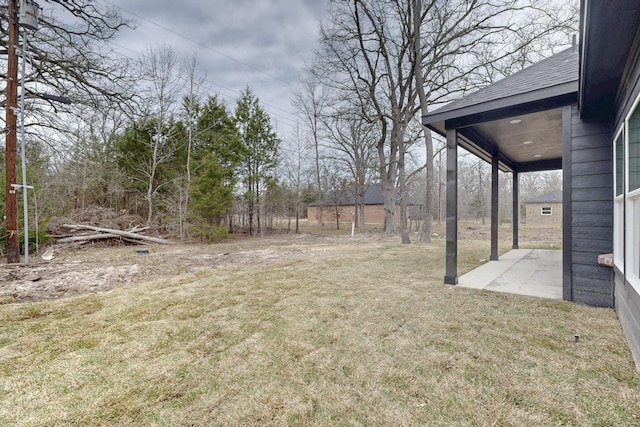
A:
x: 100, y: 225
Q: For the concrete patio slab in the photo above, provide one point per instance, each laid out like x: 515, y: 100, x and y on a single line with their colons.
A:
x: 531, y: 272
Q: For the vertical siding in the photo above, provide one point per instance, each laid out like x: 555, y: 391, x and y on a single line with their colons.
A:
x: 591, y: 210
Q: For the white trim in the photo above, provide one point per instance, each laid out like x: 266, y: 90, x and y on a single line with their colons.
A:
x: 615, y: 160
x: 632, y: 251
x: 618, y: 233
x: 633, y: 194
x: 547, y: 209
x: 632, y: 109
x: 618, y: 201
x: 629, y: 202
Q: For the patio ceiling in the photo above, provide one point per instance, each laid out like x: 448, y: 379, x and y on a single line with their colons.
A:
x: 528, y: 138
x: 519, y: 117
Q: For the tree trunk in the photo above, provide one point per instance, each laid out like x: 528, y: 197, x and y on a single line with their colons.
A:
x: 425, y: 235
x: 318, y: 178
x: 389, y: 207
x: 388, y: 173
x: 150, y: 201
x: 402, y: 184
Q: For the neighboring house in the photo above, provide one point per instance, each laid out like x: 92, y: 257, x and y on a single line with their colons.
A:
x: 343, y: 203
x: 544, y: 209
x: 578, y: 111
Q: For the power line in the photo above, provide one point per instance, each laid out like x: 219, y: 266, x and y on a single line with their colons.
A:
x: 266, y: 73
x: 286, y: 121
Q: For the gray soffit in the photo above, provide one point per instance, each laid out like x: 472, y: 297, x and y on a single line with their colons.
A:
x: 519, y: 116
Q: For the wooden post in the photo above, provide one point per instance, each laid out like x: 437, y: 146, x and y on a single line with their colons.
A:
x: 494, y: 206
x: 515, y: 221
x: 451, y: 277
x: 567, y: 275
x: 13, y: 243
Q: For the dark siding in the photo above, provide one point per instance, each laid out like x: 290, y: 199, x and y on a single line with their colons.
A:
x: 598, y: 166
x: 629, y: 88
x: 591, y: 211
x: 628, y: 310
x: 590, y: 208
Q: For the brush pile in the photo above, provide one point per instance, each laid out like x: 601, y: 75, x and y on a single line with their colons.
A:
x: 103, y: 225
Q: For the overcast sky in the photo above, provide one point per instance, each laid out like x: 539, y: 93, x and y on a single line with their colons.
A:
x: 260, y: 43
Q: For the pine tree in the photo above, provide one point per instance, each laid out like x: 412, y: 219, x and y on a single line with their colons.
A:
x: 260, y: 158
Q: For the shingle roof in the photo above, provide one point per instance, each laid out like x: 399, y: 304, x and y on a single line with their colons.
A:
x: 559, y: 71
x: 552, y: 197
x: 345, y: 196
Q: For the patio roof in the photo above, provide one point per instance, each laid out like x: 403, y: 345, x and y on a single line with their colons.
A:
x: 519, y: 117
x: 518, y: 124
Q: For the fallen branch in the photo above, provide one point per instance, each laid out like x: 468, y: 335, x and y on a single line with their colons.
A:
x: 87, y: 237
x: 127, y: 234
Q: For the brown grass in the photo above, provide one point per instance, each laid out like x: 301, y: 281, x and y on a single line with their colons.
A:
x: 362, y: 334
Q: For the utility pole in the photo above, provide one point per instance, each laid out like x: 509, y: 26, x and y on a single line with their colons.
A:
x: 11, y: 207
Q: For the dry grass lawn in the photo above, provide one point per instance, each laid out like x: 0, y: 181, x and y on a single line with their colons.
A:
x: 361, y: 334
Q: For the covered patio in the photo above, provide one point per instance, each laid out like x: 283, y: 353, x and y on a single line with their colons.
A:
x: 519, y: 124
x: 528, y: 272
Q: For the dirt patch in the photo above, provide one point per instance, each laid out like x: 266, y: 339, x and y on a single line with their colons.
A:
x: 51, y: 280
x: 100, y: 268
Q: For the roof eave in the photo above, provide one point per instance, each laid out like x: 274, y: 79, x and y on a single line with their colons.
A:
x: 602, y: 63
x: 532, y: 101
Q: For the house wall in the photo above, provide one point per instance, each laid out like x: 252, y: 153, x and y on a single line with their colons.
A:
x: 533, y: 214
x: 588, y: 203
x: 627, y: 299
x: 627, y: 304
x: 373, y: 214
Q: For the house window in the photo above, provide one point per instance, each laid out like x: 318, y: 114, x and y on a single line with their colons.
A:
x: 546, y: 210
x: 627, y: 197
x: 634, y: 150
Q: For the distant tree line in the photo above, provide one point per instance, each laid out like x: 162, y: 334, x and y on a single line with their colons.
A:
x: 146, y: 136
x: 157, y: 144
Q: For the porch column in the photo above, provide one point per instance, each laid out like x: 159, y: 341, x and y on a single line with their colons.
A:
x: 451, y: 274
x: 515, y: 221
x: 567, y: 184
x: 494, y: 206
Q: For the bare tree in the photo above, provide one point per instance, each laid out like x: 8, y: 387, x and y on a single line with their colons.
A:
x: 71, y: 56
x: 159, y: 67
x: 310, y: 100
x: 190, y: 111
x: 392, y: 59
x: 295, y: 170
x: 352, y: 142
